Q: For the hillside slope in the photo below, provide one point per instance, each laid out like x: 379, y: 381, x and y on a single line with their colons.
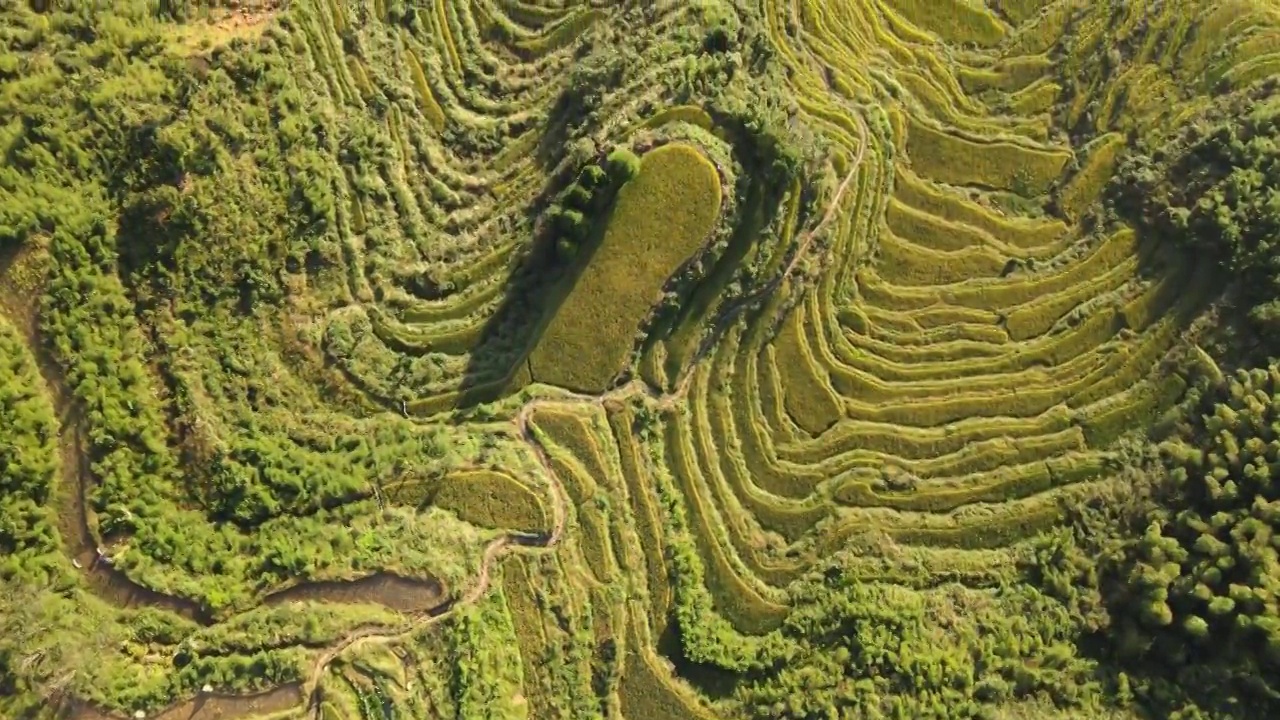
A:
x: 591, y: 359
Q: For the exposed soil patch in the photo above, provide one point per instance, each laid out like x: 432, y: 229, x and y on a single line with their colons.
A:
x: 246, y: 19
x: 211, y: 706
x: 406, y: 595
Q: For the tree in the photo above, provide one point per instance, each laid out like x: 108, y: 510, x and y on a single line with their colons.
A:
x: 573, y: 225
x: 623, y: 164
x: 566, y: 250
x: 592, y: 176
x: 1214, y: 188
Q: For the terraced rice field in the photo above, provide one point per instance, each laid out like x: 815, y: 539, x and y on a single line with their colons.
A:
x: 413, y: 468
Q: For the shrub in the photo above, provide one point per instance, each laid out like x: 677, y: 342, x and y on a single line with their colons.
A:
x: 566, y: 250
x: 578, y: 197
x: 554, y: 217
x: 573, y: 224
x: 592, y: 177
x: 623, y: 165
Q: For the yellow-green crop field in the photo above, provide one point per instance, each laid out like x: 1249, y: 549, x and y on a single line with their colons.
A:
x: 661, y: 218
x: 632, y: 360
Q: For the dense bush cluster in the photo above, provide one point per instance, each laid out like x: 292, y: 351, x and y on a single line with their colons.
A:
x: 1215, y: 189
x: 580, y: 206
x: 96, y: 334
x: 1204, y: 583
x: 1191, y: 581
x: 877, y: 650
x: 28, y: 467
x: 1173, y: 576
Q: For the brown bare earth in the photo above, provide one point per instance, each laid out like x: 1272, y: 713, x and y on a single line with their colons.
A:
x: 246, y: 20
